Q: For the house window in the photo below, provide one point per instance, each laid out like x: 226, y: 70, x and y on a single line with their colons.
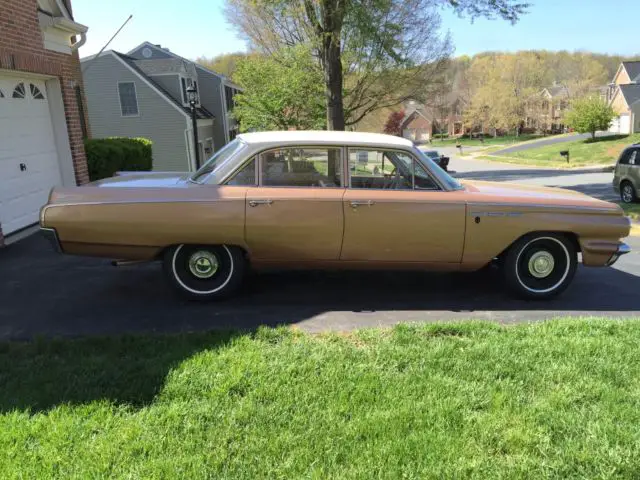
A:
x: 19, y: 91
x: 35, y: 92
x: 128, y: 99
x: 229, y: 93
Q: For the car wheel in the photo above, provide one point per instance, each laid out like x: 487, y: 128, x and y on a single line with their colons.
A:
x: 205, y: 272
x: 540, y: 266
x: 627, y: 192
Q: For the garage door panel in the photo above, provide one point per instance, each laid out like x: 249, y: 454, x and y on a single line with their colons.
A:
x: 26, y: 138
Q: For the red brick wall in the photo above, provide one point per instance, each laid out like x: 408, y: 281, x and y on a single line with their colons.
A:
x: 21, y: 49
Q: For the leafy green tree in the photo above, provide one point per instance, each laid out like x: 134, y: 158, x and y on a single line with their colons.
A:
x: 224, y: 64
x: 372, y: 53
x: 589, y: 114
x: 279, y: 94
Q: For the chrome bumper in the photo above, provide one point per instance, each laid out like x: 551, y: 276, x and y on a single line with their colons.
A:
x: 52, y: 236
x: 623, y: 248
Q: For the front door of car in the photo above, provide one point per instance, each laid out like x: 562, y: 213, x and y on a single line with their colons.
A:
x: 295, y: 214
x: 395, y: 211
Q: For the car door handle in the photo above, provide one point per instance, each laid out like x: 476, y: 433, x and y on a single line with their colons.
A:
x: 255, y: 203
x: 357, y: 203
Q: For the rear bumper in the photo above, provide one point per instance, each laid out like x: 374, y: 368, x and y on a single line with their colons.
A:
x: 623, y: 249
x: 52, y: 237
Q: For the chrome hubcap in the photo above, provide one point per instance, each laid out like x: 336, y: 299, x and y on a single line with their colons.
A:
x: 541, y: 264
x: 627, y: 194
x: 203, y: 264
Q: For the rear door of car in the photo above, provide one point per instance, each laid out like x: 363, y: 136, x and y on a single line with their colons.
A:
x: 294, y: 213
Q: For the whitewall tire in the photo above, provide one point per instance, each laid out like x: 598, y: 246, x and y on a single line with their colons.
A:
x: 205, y: 272
x: 540, y: 265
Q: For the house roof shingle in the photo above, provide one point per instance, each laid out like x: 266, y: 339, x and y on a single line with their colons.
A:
x: 633, y: 69
x: 201, y: 112
x: 631, y: 93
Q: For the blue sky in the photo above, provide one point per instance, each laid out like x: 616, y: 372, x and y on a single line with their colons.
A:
x: 200, y: 28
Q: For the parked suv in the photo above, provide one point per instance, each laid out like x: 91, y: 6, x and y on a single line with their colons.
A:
x: 626, y: 176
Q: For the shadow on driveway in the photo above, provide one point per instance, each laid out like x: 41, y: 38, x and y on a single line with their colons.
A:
x: 45, y: 294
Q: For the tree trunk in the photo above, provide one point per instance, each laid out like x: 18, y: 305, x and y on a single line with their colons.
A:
x: 333, y: 85
x: 332, y: 13
x: 593, y: 135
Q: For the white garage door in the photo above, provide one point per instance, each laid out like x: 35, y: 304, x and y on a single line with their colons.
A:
x: 28, y: 157
x: 621, y: 124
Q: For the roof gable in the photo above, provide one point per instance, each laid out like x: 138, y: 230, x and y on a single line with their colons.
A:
x: 631, y: 93
x: 130, y: 63
x: 633, y: 70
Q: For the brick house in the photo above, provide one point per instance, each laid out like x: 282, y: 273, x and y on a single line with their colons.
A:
x: 417, y: 124
x: 42, y: 119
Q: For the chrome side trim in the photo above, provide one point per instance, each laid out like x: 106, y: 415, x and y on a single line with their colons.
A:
x: 541, y: 205
x: 52, y: 237
x: 623, y: 249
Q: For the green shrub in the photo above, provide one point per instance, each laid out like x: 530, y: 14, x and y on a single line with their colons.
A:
x: 106, y: 156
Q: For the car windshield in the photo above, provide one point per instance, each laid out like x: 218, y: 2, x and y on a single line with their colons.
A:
x: 443, y: 176
x: 220, y: 158
x: 432, y: 154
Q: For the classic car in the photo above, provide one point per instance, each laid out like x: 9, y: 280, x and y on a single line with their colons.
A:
x: 438, y: 158
x: 332, y: 200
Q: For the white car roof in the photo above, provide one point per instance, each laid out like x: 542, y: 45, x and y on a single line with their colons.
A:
x: 322, y: 137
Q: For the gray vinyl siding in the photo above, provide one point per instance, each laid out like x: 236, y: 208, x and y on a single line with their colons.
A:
x: 211, y: 99
x: 158, y: 119
x: 171, y: 83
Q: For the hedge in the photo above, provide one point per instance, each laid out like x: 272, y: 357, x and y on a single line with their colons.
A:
x: 106, y: 156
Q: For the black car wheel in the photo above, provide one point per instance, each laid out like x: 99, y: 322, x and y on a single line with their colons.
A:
x: 540, y: 266
x: 627, y: 192
x: 205, y: 272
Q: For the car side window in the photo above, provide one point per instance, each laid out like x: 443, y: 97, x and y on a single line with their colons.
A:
x: 302, y: 167
x: 246, y: 176
x: 387, y: 170
x: 634, y: 158
x: 625, y: 159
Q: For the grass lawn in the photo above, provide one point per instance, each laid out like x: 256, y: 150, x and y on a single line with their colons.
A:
x: 631, y: 210
x: 504, y: 140
x: 604, y: 151
x: 556, y: 399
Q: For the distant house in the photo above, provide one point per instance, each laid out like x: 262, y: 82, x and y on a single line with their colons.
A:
x: 143, y: 94
x: 444, y: 115
x: 417, y: 124
x: 546, y: 109
x: 624, y: 97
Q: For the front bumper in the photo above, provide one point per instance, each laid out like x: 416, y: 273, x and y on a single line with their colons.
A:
x: 623, y: 249
x: 52, y: 236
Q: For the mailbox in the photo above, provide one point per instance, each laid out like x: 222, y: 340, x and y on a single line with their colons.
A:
x: 565, y: 153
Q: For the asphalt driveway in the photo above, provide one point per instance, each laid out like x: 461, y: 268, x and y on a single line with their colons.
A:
x: 45, y: 294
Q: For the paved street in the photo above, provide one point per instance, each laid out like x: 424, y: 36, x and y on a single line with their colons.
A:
x: 595, y: 184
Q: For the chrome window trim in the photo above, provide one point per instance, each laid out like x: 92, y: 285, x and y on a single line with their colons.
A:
x: 415, y: 159
x: 239, y: 169
x: 259, y: 153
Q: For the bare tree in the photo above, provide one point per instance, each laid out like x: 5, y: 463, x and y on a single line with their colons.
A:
x: 373, y: 53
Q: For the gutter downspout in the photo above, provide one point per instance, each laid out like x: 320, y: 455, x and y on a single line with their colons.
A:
x: 76, y: 45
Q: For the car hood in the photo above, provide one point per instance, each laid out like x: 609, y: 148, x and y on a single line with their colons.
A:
x: 146, y: 179
x: 503, y: 192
